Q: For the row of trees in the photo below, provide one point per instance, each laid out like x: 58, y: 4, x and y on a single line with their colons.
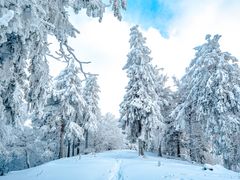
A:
x: 70, y: 123
x: 198, y: 122
x: 26, y: 91
x: 74, y: 111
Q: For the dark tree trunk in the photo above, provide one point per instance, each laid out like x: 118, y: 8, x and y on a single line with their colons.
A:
x: 69, y: 148
x: 78, y: 147
x: 73, y: 147
x: 86, y: 139
x: 159, y: 150
x: 61, y: 151
x: 27, y: 159
x: 178, y: 148
x: 140, y: 147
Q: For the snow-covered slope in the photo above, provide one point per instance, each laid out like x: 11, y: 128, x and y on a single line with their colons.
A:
x: 120, y: 165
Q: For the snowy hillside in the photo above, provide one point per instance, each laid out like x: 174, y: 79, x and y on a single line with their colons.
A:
x: 120, y: 165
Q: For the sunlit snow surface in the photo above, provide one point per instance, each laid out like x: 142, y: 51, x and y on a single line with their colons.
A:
x: 120, y: 165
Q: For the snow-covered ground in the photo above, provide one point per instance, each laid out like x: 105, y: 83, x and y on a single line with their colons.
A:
x: 120, y: 165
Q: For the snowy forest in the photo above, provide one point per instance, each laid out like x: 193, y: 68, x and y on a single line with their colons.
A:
x: 44, y: 118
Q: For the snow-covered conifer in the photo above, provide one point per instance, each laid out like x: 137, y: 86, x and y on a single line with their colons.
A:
x: 164, y: 101
x: 208, y: 111
x: 68, y: 93
x: 139, y: 107
x: 38, y: 81
x: 92, y: 112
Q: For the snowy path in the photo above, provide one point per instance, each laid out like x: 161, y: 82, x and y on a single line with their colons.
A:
x: 116, y: 171
x: 121, y: 165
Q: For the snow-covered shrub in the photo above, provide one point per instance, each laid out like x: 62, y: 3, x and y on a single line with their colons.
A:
x: 108, y: 135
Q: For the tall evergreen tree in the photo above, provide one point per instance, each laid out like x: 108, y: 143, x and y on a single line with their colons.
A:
x: 172, y: 136
x: 38, y: 81
x: 92, y: 112
x: 68, y: 93
x: 208, y: 111
x: 139, y: 107
x: 164, y: 100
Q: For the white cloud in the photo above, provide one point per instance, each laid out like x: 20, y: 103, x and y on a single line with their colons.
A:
x: 106, y: 44
x: 188, y: 29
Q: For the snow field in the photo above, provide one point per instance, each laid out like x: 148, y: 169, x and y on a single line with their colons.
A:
x: 121, y: 165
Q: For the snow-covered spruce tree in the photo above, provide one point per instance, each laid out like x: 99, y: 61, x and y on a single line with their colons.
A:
x: 12, y: 104
x: 164, y: 100
x: 47, y: 129
x: 92, y: 112
x: 38, y: 81
x: 13, y: 79
x: 208, y: 112
x: 171, y: 137
x: 139, y: 109
x: 3, y: 135
x: 68, y: 93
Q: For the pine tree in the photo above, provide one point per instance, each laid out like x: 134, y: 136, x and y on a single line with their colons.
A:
x: 92, y: 112
x: 164, y: 101
x: 13, y: 79
x: 38, y: 82
x: 208, y: 110
x: 68, y: 93
x: 172, y: 136
x: 12, y: 87
x: 139, y: 108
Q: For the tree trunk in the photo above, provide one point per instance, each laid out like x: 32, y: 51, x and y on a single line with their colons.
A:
x: 178, y: 148
x: 78, y: 148
x: 61, y: 152
x: 86, y: 139
x: 140, y: 147
x: 27, y: 159
x: 159, y: 150
x: 73, y: 147
x: 68, y: 148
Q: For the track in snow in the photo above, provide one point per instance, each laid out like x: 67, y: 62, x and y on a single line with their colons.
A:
x: 116, y: 171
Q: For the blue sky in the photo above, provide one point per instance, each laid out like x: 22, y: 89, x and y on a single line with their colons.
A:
x: 152, y: 13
